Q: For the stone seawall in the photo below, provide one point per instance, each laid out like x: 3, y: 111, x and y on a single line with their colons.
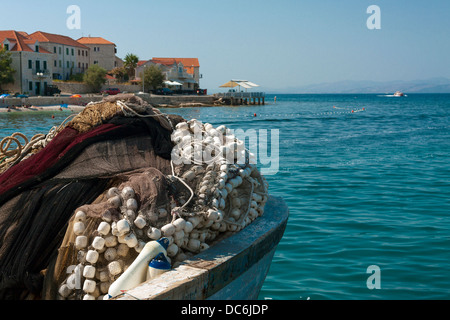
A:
x: 178, y: 101
x: 154, y: 100
x: 48, y: 101
x: 81, y: 88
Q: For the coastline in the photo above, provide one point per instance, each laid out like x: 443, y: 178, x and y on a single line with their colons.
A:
x: 54, y: 103
x: 33, y: 109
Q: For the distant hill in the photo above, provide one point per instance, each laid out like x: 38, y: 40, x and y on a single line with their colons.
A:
x: 435, y: 85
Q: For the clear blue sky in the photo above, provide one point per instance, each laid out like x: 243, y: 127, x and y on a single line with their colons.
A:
x: 277, y: 44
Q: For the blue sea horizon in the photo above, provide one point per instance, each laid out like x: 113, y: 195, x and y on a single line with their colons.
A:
x: 367, y: 180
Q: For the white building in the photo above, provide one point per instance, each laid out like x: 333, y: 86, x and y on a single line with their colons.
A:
x: 185, y: 71
x: 102, y: 52
x: 30, y: 60
x: 69, y: 56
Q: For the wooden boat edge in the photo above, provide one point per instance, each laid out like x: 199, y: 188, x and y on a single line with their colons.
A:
x: 205, y: 275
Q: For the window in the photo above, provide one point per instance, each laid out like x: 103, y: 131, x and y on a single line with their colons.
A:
x: 68, y: 64
x: 79, y: 52
x: 82, y: 53
x: 7, y: 47
x: 30, y: 86
x: 37, y: 48
x: 86, y: 53
x: 95, y: 49
x: 45, y: 65
x: 67, y: 51
x: 95, y: 62
x: 79, y: 65
x: 73, y: 52
x: 55, y: 63
x: 60, y: 63
x: 54, y: 49
x: 30, y: 64
x: 60, y: 50
x: 73, y: 64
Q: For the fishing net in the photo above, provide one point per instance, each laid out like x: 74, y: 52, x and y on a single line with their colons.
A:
x: 77, y: 213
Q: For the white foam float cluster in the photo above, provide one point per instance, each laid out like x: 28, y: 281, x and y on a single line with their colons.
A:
x: 220, y: 177
x: 227, y: 198
x: 201, y: 144
x: 102, y: 254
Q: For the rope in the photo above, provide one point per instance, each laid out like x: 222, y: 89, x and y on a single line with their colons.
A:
x: 130, y: 112
x: 176, y: 213
x: 14, y: 156
x: 10, y: 153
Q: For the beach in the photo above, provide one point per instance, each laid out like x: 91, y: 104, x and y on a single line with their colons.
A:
x: 77, y: 104
x: 31, y: 109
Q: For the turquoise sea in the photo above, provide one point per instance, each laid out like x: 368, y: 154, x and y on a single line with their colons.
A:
x: 367, y: 182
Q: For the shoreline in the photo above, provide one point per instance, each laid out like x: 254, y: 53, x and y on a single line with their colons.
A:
x: 33, y: 109
x: 54, y: 103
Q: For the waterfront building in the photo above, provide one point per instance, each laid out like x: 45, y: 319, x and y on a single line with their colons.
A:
x: 102, y: 52
x: 32, y: 62
x: 185, y: 71
x: 70, y: 57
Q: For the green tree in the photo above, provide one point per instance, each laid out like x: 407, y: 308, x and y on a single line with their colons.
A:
x: 153, y: 77
x: 95, y: 77
x: 130, y: 63
x: 120, y: 74
x: 78, y: 77
x: 6, y: 71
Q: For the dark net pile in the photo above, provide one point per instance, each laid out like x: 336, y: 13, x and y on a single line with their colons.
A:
x: 76, y: 214
x: 39, y: 195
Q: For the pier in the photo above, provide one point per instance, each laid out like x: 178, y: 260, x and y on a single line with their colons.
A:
x: 242, y: 98
x: 238, y: 97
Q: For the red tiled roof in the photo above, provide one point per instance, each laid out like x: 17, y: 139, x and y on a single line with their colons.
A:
x: 21, y: 41
x: 185, y: 61
x: 94, y: 40
x: 142, y: 62
x: 56, y: 38
x: 189, y: 63
x: 26, y: 35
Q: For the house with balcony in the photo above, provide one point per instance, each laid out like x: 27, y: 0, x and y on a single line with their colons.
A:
x: 185, y: 71
x: 102, y: 52
x: 31, y: 61
x: 69, y: 56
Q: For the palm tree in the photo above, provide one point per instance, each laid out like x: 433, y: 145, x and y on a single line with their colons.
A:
x: 130, y: 64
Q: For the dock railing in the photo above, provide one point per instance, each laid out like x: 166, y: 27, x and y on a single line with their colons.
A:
x: 241, y: 95
x: 242, y: 98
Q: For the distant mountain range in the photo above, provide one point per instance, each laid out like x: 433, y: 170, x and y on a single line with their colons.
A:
x: 435, y: 85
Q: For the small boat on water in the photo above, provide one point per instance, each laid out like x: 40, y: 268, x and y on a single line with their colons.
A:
x: 98, y: 209
x: 399, y: 94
